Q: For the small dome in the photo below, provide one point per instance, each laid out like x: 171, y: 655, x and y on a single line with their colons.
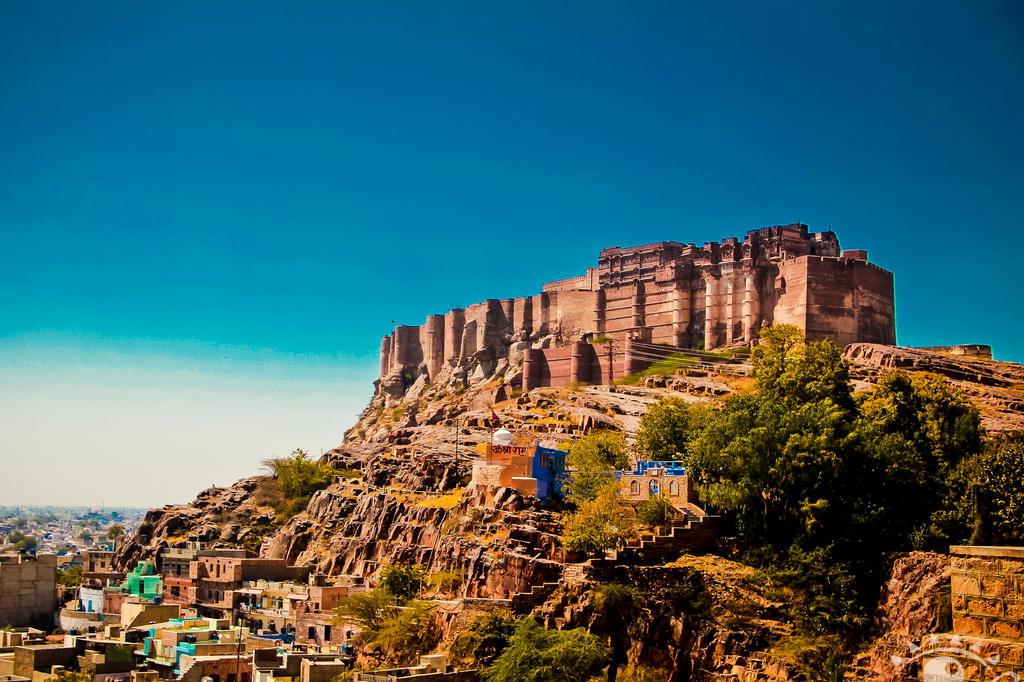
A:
x: 501, y: 437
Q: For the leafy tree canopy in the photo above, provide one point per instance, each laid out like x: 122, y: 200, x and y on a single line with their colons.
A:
x: 407, y: 633
x: 665, y: 430
x: 600, y: 524
x: 403, y: 581
x: 535, y: 654
x: 366, y: 610
x: 986, y: 503
x: 819, y: 482
x: 72, y: 577
x: 593, y: 459
x: 484, y: 639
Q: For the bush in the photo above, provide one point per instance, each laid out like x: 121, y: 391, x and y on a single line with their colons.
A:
x: 296, y: 477
x: 407, y: 633
x: 446, y: 582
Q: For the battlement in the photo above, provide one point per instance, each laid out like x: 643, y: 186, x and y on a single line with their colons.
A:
x: 683, y: 295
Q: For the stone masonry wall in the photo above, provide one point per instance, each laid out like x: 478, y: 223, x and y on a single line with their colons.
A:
x: 27, y: 590
x: 987, y: 585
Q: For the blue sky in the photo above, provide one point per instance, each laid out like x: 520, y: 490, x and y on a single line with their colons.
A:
x: 210, y: 212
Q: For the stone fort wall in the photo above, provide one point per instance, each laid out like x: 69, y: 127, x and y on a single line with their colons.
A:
x: 682, y: 295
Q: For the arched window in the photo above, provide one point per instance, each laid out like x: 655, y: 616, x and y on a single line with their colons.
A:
x: 653, y: 486
x: 634, y: 487
x: 673, y: 488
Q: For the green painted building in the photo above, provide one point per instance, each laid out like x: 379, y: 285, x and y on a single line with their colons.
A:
x: 144, y: 582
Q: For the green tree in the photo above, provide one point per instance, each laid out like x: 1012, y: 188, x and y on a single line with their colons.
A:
x: 15, y: 537
x: 654, y: 511
x: 403, y: 581
x: 986, y: 501
x: 71, y: 577
x: 592, y: 461
x: 366, y: 610
x: 407, y: 633
x: 535, y: 654
x: 666, y: 428
x: 820, y: 483
x: 27, y: 544
x: 115, y: 531
x: 600, y: 524
x: 916, y: 430
x: 484, y: 639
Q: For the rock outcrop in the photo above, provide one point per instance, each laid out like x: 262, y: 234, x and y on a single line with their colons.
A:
x: 997, y: 388
x: 401, y: 495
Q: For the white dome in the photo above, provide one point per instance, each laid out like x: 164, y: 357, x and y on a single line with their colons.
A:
x: 501, y: 437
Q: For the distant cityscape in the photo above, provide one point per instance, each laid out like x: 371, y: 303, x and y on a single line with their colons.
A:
x: 65, y: 530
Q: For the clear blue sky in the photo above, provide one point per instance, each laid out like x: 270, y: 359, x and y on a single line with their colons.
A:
x: 211, y: 211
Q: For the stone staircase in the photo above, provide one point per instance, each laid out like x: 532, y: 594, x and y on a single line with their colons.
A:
x: 524, y: 602
x: 695, y: 533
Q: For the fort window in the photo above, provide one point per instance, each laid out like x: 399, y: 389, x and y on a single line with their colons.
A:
x: 634, y: 488
x: 653, y: 486
x: 327, y: 633
x: 311, y: 633
x: 673, y: 488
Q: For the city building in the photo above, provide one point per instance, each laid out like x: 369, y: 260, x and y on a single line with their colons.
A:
x: 666, y: 479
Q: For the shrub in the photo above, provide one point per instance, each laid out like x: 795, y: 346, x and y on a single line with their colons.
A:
x: 447, y: 582
x: 296, y: 478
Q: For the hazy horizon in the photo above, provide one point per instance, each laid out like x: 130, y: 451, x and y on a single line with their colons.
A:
x: 212, y: 212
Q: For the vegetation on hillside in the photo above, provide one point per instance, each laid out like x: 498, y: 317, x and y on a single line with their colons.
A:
x: 540, y: 655
x: 819, y: 483
x: 594, y: 458
x: 293, y: 481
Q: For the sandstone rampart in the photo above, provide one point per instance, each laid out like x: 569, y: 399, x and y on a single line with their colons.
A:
x: 667, y: 293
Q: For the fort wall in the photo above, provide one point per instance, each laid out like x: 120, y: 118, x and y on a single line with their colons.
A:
x: 683, y: 295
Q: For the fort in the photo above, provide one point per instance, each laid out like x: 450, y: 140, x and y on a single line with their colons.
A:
x: 591, y: 328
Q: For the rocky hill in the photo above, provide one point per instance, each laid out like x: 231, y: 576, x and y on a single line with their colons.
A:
x: 400, y: 495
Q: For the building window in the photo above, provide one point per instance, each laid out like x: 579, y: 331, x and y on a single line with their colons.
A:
x: 634, y: 487
x: 653, y: 486
x: 327, y: 633
x: 311, y: 633
x: 673, y: 488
